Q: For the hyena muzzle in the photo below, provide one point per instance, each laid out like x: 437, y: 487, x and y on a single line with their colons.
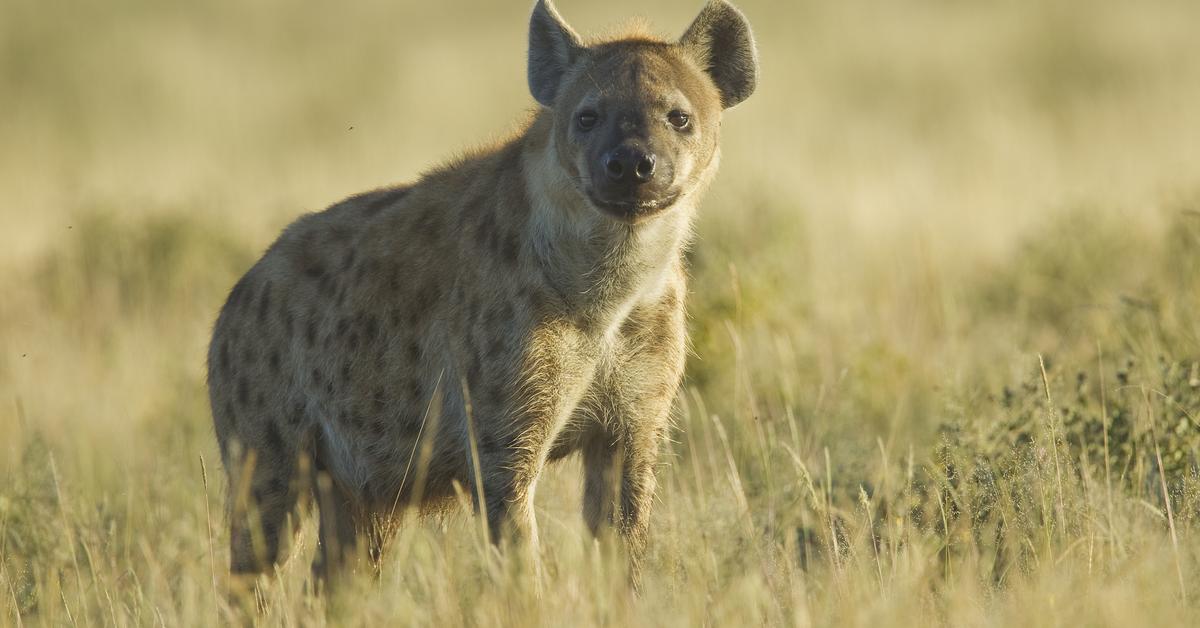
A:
x: 507, y: 310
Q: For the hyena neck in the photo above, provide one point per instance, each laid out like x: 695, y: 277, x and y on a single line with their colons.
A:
x: 599, y: 266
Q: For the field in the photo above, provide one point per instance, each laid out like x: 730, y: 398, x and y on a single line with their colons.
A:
x: 945, y: 310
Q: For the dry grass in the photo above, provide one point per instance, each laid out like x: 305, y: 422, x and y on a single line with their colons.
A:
x: 923, y: 198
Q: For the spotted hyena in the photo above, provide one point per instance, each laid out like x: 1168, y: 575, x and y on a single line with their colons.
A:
x: 507, y: 310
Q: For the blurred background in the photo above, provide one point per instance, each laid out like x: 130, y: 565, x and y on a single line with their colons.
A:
x: 921, y: 197
x: 936, y: 117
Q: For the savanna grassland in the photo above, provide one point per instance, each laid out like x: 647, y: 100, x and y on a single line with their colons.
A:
x: 945, y: 310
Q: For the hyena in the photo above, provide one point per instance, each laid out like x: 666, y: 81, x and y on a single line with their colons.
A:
x: 507, y: 310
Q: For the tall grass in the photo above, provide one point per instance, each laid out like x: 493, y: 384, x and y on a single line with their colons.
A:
x: 946, y: 350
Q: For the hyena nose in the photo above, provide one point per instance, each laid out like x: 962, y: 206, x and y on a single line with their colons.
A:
x: 624, y: 164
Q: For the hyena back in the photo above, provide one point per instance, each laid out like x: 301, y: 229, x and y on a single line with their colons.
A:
x: 505, y: 311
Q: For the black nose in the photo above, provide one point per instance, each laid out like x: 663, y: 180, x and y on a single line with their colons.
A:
x: 625, y: 164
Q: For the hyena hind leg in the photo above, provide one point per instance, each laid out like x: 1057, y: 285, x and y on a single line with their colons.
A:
x: 264, y: 490
x: 347, y: 534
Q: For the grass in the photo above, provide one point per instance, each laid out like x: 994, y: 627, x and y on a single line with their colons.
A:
x: 944, y: 310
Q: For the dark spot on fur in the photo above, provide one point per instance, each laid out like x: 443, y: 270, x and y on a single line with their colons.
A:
x: 414, y: 389
x: 348, y: 262
x: 475, y: 371
x: 371, y: 328
x: 495, y: 394
x: 310, y: 333
x: 289, y: 320
x: 312, y: 267
x: 346, y: 372
x: 488, y: 443
x: 498, y: 315
x: 666, y: 319
x: 271, y: 527
x: 352, y: 341
x: 394, y: 318
x: 511, y: 249
x: 264, y: 302
x: 343, y: 326
x: 395, y: 281
x: 426, y: 298
x: 247, y: 300
x: 537, y: 299
x: 273, y: 361
x: 466, y: 219
x: 495, y: 347
x: 380, y: 360
x: 429, y: 226
x: 223, y: 356
x: 297, y: 414
x: 383, y: 199
x: 406, y: 424
x: 276, y: 486
x: 671, y: 299
x: 414, y: 352
x: 274, y: 437
x: 337, y: 235
x: 363, y: 270
x: 243, y: 392
x: 486, y: 228
x: 260, y: 399
x: 494, y: 242
x: 238, y: 294
x: 378, y: 428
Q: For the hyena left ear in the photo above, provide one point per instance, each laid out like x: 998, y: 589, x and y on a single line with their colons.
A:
x: 553, y: 48
x: 721, y: 41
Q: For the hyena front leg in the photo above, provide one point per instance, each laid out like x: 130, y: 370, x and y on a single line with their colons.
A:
x: 619, y: 481
x: 621, y: 453
x: 640, y: 456
x: 508, y: 485
x: 511, y: 458
x: 515, y: 426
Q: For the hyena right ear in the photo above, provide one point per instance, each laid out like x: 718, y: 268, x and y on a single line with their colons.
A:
x: 553, y: 47
x: 721, y: 41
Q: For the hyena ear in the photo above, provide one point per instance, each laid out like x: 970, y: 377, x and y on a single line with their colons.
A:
x: 721, y: 41
x: 553, y: 47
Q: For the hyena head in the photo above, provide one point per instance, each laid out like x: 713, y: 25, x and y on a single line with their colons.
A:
x: 636, y: 121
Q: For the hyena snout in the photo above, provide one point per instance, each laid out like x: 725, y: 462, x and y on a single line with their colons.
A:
x: 631, y: 180
x: 629, y: 165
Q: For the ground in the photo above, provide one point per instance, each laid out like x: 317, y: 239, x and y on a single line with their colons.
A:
x: 944, y: 311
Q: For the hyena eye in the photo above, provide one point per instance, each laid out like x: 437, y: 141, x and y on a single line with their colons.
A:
x: 679, y: 119
x: 587, y: 120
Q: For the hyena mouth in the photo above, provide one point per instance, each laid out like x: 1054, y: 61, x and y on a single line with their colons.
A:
x: 634, y: 210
